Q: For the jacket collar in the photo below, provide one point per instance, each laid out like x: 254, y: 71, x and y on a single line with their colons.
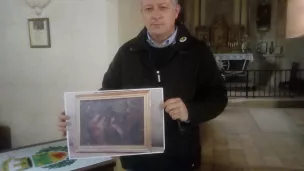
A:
x: 171, y: 40
x: 183, y: 39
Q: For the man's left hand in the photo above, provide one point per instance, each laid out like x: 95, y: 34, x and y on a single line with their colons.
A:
x: 176, y: 109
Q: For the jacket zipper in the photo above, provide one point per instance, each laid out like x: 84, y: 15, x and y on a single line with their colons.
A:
x: 181, y: 128
x: 158, y: 76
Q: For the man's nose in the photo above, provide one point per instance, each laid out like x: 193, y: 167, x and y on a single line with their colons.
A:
x: 157, y: 14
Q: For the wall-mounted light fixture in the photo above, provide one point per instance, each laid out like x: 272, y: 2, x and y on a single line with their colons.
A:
x: 38, y: 5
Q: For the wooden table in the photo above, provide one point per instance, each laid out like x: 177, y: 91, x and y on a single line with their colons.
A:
x: 50, y: 156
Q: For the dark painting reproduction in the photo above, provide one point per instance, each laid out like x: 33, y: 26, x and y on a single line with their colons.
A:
x: 115, y: 123
x: 112, y: 122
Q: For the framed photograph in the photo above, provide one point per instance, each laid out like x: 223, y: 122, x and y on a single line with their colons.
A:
x: 262, y: 47
x: 115, y: 123
x: 39, y: 33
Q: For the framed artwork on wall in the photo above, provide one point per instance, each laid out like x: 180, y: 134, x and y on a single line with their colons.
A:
x: 263, y: 20
x: 219, y: 36
x: 39, y: 32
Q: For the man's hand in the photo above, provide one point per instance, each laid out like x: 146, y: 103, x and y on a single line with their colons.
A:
x: 62, y: 119
x: 176, y: 109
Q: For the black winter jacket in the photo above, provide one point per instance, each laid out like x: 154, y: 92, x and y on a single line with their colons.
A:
x: 189, y: 72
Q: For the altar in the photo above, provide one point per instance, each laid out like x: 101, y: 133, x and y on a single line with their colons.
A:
x: 233, y: 62
x: 234, y: 69
x: 228, y: 42
x: 50, y: 156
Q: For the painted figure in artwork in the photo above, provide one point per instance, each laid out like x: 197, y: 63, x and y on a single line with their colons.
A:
x: 120, y: 123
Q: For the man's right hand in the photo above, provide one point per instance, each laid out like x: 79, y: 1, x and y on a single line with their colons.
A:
x: 62, y: 123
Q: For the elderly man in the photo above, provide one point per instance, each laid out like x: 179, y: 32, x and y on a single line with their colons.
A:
x: 164, y: 54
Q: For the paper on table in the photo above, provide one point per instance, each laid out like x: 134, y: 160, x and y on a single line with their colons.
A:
x: 47, y: 156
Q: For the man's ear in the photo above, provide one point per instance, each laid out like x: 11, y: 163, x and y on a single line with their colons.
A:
x: 177, y: 10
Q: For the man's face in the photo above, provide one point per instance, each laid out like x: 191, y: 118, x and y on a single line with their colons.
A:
x: 159, y: 15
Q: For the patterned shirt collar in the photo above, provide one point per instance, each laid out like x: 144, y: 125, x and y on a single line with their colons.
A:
x: 171, y: 40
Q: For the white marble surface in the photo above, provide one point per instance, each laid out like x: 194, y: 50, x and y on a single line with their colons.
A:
x: 228, y: 56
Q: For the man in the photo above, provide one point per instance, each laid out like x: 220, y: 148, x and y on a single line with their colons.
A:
x: 164, y: 54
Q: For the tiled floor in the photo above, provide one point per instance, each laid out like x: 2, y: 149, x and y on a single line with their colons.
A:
x: 254, y: 139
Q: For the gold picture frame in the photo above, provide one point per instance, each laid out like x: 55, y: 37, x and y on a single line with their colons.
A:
x: 112, y: 145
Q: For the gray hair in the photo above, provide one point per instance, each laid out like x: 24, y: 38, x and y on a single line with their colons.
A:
x: 175, y: 1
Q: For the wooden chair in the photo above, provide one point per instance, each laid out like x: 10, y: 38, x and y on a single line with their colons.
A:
x: 293, y: 80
